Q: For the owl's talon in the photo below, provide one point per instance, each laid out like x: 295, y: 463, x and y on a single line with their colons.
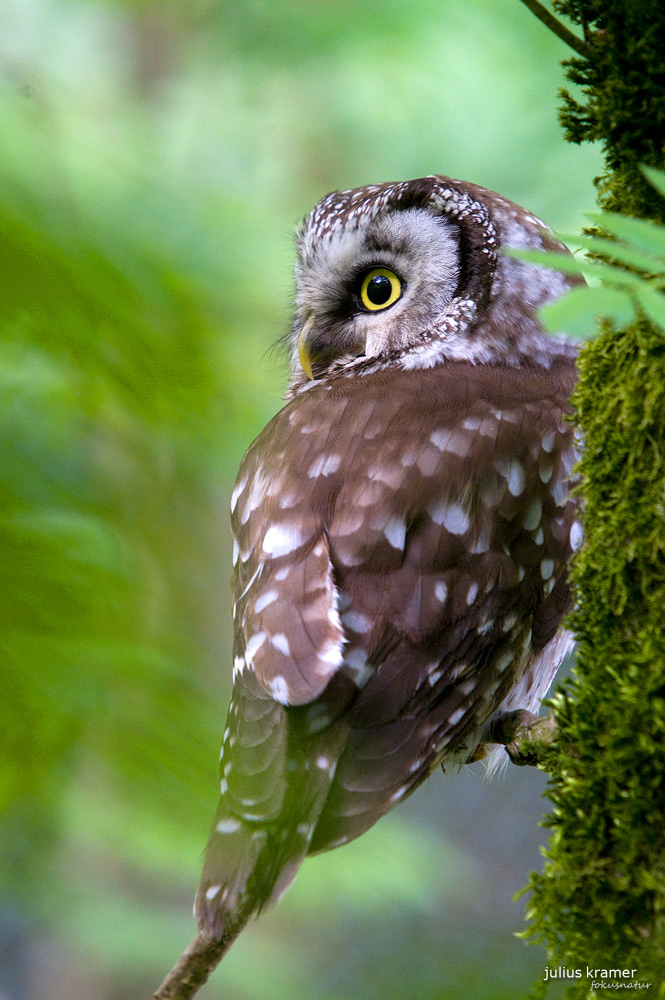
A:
x: 525, y: 736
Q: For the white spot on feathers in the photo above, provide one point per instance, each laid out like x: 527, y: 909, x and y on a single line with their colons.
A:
x: 331, y: 653
x: 254, y: 577
x: 466, y: 687
x: 281, y: 643
x: 575, y: 535
x: 356, y: 621
x: 212, y: 892
x: 548, y: 441
x: 229, y: 825
x: 545, y: 470
x: 399, y: 794
x: 349, y: 557
x: 356, y: 661
x: 481, y: 544
x: 455, y: 716
x: 452, y: 516
x: 547, y: 568
x: 337, y: 843
x: 439, y: 438
x: 266, y: 598
x: 324, y: 465
x: 560, y: 493
x: 254, y: 645
x: 514, y: 474
x: 279, y: 689
x: 280, y: 539
x: 262, y: 486
x: 395, y: 532
x: 333, y: 617
x: 239, y: 487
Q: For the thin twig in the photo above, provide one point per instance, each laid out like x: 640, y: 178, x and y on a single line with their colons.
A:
x: 192, y: 970
x: 559, y: 29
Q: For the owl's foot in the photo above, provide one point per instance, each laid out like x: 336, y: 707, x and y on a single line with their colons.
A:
x: 525, y: 736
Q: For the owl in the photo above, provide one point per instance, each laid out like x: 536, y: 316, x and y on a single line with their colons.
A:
x: 402, y: 528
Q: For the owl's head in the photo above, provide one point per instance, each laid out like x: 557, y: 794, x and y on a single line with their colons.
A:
x: 412, y: 274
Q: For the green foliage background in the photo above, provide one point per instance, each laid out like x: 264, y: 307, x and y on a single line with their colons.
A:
x: 154, y: 158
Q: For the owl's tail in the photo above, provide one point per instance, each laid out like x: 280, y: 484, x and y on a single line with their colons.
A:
x: 246, y: 868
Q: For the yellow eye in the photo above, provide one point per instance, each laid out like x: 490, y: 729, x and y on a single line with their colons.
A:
x: 380, y: 288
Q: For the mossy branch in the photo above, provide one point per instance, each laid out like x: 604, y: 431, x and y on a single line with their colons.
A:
x: 600, y: 900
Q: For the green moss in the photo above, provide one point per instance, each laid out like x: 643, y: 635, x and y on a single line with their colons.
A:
x: 600, y: 900
x: 601, y: 897
x: 622, y: 82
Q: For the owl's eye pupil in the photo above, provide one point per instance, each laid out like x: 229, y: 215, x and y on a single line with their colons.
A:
x: 380, y: 288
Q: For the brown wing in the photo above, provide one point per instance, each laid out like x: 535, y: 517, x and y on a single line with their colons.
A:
x: 449, y: 539
x: 401, y: 546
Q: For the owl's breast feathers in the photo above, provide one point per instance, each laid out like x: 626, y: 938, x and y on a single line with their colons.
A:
x: 401, y: 544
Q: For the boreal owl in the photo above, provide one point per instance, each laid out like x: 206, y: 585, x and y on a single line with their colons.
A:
x: 402, y: 527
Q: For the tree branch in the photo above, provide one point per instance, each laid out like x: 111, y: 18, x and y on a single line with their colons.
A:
x: 192, y: 970
x: 526, y: 737
x: 559, y: 29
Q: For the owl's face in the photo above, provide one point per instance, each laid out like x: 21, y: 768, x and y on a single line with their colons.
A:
x: 377, y: 288
x: 413, y: 273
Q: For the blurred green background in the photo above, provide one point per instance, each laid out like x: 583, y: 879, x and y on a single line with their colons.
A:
x: 154, y: 159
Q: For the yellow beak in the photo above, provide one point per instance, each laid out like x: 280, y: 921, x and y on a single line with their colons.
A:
x: 304, y: 352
